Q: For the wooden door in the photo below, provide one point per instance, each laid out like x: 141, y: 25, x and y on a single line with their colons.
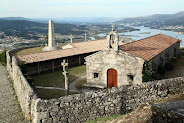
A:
x: 112, y: 78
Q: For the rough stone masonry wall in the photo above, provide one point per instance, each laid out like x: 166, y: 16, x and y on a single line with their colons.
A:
x: 169, y: 51
x: 170, y: 112
x: 92, y: 105
x: 124, y: 63
x: 25, y: 93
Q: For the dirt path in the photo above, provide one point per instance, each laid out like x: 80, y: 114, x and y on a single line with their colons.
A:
x: 10, y: 111
x: 72, y: 85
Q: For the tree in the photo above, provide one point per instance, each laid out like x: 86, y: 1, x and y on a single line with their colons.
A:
x: 147, y: 72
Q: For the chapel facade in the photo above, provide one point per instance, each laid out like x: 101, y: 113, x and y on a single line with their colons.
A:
x: 113, y: 67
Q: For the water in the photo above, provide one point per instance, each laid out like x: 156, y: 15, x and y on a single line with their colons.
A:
x: 92, y: 38
x: 147, y: 32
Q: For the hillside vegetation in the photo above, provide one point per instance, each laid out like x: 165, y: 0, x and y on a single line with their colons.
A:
x: 23, y: 28
x: 160, y: 19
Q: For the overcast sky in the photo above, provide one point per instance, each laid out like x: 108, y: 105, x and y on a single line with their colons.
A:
x: 88, y: 8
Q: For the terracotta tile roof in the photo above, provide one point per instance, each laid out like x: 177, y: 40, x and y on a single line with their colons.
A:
x: 150, y: 47
x: 78, y: 48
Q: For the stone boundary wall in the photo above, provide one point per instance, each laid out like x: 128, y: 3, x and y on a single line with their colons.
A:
x: 96, y: 104
x: 9, y: 57
x: 26, y: 96
x: 170, y: 112
x: 89, y: 105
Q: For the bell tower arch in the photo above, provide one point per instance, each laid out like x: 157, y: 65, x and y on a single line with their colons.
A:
x: 113, y: 40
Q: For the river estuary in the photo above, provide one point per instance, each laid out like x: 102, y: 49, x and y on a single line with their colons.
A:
x: 147, y: 32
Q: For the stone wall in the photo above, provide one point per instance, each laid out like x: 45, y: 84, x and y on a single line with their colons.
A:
x: 166, y: 55
x: 24, y: 91
x: 89, y: 105
x: 106, y: 102
x: 171, y: 112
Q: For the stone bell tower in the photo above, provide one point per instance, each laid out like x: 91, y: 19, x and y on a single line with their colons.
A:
x: 51, y: 38
x: 113, y: 40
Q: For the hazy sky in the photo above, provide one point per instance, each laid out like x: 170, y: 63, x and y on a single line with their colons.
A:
x: 88, y: 8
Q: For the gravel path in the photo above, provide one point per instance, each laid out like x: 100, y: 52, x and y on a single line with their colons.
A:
x: 10, y: 111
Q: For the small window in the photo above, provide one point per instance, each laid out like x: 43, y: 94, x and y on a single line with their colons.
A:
x: 95, y: 75
x: 130, y: 78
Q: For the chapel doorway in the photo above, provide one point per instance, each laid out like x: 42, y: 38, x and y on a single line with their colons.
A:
x: 111, y: 78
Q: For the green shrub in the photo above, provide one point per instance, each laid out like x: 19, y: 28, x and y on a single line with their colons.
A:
x: 147, y: 72
x: 3, y: 57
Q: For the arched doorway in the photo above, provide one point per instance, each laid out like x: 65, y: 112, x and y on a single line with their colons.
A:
x: 112, y: 78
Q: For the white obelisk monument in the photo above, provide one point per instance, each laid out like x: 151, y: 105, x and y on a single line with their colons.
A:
x: 51, y: 38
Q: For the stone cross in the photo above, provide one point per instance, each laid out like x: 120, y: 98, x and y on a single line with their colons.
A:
x: 71, y: 37
x: 113, y: 27
x: 65, y: 73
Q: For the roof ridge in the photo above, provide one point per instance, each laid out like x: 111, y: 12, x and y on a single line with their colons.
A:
x: 149, y: 37
x: 140, y: 39
x: 170, y: 36
x: 154, y: 44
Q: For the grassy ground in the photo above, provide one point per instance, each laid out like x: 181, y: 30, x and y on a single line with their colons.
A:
x: 29, y: 51
x: 50, y: 94
x: 56, y: 79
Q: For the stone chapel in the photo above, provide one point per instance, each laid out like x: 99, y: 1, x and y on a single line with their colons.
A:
x: 122, y: 65
x: 113, y: 67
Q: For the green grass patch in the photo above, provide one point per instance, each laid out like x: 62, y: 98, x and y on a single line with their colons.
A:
x: 29, y: 51
x: 56, y: 79
x: 104, y: 118
x: 51, y: 94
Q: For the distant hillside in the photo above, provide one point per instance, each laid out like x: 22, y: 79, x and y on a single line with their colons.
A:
x: 14, y: 18
x: 23, y: 28
x: 166, y: 19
